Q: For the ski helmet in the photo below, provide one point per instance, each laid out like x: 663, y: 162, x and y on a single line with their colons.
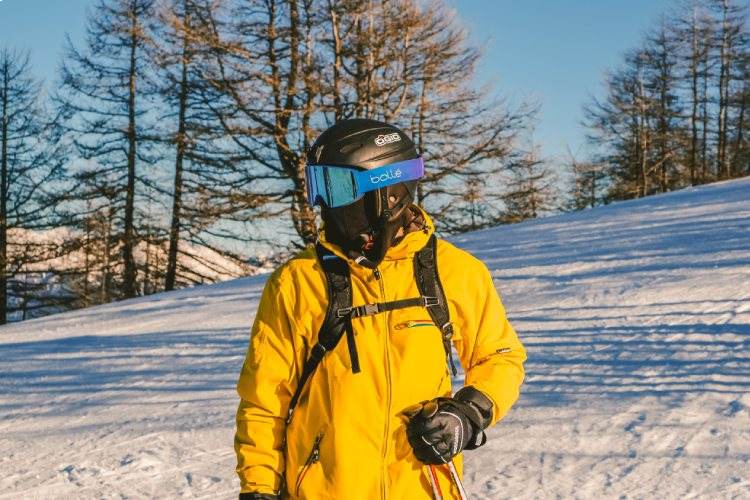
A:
x: 364, y: 175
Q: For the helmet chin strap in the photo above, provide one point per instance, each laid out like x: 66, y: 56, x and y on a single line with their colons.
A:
x: 383, y: 235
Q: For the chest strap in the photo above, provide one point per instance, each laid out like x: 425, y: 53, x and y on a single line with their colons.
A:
x: 381, y: 307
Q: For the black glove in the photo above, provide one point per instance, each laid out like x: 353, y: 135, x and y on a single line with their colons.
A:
x: 439, y: 429
x: 258, y: 496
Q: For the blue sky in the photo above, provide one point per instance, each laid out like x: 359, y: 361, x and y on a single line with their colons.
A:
x: 553, y: 52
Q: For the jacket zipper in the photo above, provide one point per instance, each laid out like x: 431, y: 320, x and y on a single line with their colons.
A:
x: 379, y: 279
x: 311, y: 459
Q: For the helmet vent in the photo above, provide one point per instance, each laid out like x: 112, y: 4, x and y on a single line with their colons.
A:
x: 348, y: 148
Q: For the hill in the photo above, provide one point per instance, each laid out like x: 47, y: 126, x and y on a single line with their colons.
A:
x: 636, y: 317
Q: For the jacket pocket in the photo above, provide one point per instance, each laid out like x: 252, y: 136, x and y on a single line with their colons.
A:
x: 415, y: 323
x: 312, y: 459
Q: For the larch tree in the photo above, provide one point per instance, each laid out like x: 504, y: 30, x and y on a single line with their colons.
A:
x: 661, y: 49
x: 289, y: 68
x: 101, y: 96
x: 586, y: 185
x: 183, y: 37
x: 31, y: 169
x: 675, y: 112
x: 530, y: 188
x: 729, y: 38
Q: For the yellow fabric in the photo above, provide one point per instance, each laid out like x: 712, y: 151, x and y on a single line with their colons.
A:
x: 364, y: 453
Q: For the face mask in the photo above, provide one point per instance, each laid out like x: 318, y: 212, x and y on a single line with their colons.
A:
x: 363, y: 228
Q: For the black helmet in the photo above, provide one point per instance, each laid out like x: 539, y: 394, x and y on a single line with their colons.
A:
x: 368, y: 225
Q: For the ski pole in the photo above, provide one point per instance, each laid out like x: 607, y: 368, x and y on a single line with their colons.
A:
x: 432, y: 474
x: 457, y: 481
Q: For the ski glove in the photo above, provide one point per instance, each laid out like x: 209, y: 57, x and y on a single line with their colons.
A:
x: 258, y: 496
x: 439, y: 429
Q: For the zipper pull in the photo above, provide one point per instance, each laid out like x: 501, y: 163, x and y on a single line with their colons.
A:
x: 376, y: 273
x: 315, y: 455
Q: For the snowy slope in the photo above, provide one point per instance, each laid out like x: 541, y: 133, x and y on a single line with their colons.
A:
x: 636, y: 318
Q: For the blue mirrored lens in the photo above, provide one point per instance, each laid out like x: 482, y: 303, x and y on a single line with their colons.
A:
x: 341, y: 185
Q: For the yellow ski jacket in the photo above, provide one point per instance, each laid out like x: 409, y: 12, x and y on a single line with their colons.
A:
x: 347, y: 437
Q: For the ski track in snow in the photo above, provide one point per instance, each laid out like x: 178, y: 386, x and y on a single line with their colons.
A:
x: 636, y: 318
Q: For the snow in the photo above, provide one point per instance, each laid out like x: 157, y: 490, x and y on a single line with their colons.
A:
x: 197, y: 265
x: 636, y: 317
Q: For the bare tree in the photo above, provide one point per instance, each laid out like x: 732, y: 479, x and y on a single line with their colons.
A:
x: 99, y: 93
x: 288, y: 69
x: 677, y: 105
x: 693, y: 33
x: 587, y: 183
x: 30, y: 169
x: 530, y: 189
x: 661, y: 79
x: 728, y: 39
x: 481, y: 205
x: 183, y: 37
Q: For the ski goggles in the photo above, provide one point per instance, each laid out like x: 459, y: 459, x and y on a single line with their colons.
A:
x: 336, y: 186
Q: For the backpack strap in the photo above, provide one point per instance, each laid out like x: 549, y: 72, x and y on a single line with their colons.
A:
x: 428, y: 282
x: 339, y: 287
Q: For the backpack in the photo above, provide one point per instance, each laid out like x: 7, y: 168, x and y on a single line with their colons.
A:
x: 340, y: 311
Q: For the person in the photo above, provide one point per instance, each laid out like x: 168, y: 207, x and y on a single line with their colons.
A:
x: 370, y: 414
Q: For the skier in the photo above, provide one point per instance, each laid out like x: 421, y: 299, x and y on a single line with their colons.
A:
x: 345, y: 392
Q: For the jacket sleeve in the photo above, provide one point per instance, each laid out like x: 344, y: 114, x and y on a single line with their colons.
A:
x: 491, y: 353
x: 265, y: 389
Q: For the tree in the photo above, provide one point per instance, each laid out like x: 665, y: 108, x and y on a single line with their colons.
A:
x: 100, y: 96
x: 288, y: 69
x: 620, y: 127
x: 729, y: 40
x: 480, y: 206
x: 675, y: 111
x: 183, y: 35
x: 661, y: 83
x: 530, y: 190
x: 30, y: 169
x: 587, y: 184
x: 693, y: 33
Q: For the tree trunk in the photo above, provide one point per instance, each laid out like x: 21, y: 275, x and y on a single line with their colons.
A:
x: 174, y: 228
x: 423, y: 103
x: 129, y: 272
x: 3, y: 201
x: 739, y: 139
x: 106, y: 267
x: 721, y: 139
x: 338, y: 111
x: 642, y: 138
x: 704, y: 118
x: 694, y: 93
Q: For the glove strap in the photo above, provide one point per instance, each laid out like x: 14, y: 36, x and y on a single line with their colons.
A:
x: 479, y: 413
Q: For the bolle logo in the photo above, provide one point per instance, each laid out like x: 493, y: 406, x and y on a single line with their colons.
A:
x: 384, y: 139
x: 391, y: 174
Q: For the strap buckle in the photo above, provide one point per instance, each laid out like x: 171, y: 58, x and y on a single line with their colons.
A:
x: 369, y: 309
x: 431, y: 301
x: 359, y: 311
x: 365, y: 310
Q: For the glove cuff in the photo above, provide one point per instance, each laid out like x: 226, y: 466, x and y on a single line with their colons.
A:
x: 479, y: 413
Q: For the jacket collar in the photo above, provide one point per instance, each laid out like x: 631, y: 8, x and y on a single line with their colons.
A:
x: 406, y: 248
